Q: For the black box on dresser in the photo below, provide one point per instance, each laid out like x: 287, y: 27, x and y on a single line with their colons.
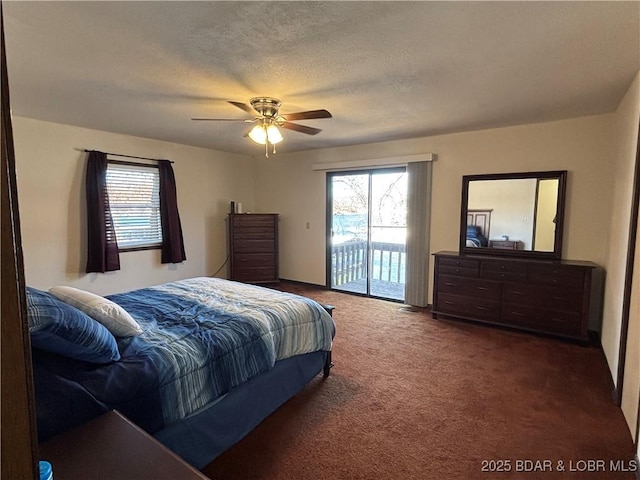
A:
x: 557, y: 297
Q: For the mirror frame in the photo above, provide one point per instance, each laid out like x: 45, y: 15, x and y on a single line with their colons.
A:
x: 561, y: 175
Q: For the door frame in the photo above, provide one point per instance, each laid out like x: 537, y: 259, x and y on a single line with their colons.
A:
x: 329, y: 222
x: 19, y: 436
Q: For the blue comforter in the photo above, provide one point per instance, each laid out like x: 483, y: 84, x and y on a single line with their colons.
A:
x: 201, y: 338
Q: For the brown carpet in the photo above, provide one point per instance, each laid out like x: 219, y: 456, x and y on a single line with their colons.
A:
x: 415, y: 398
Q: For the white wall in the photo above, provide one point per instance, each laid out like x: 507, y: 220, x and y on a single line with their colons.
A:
x: 50, y: 169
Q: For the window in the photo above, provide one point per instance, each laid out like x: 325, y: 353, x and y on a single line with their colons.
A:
x: 134, y: 200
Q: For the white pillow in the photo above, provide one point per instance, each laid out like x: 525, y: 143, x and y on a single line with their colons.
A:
x: 108, y: 313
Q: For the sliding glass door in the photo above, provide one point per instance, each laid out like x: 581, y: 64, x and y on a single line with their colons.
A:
x: 366, y: 224
x: 348, y: 232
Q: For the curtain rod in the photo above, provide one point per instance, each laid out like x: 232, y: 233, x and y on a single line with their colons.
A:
x: 128, y: 156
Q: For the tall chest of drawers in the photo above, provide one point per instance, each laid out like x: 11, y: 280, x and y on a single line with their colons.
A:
x: 561, y: 298
x: 253, y: 247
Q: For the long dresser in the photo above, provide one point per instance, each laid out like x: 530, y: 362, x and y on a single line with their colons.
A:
x: 562, y: 298
x: 253, y: 247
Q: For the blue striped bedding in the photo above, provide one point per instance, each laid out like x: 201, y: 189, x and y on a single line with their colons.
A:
x: 201, y: 338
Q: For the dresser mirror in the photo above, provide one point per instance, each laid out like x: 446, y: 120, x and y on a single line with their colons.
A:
x: 519, y: 214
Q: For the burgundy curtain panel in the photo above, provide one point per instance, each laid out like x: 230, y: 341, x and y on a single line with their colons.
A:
x: 172, y: 242
x: 102, y: 248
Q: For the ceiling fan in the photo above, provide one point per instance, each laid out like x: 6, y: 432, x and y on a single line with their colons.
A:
x: 265, y: 113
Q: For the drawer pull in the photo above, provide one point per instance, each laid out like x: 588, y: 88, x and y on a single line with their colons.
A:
x: 450, y: 284
x: 558, y: 298
x: 449, y: 303
x: 517, y: 292
x: 483, y: 288
x: 482, y: 308
x: 518, y: 314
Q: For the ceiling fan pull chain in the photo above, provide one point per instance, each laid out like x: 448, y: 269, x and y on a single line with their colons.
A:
x: 266, y: 149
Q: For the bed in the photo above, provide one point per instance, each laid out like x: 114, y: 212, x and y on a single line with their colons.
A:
x: 475, y: 237
x: 197, y: 363
x: 478, y: 227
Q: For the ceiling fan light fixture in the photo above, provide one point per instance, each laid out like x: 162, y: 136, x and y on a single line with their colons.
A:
x: 273, y: 134
x: 266, y: 131
x: 258, y: 134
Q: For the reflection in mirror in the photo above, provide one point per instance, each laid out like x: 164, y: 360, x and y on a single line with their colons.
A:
x: 520, y: 210
x: 544, y: 227
x: 519, y: 214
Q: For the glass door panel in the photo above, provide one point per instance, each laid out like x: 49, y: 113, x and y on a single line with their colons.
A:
x: 368, y: 232
x: 388, y: 233
x: 349, y: 232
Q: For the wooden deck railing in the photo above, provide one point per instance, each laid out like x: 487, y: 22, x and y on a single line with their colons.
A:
x: 349, y: 262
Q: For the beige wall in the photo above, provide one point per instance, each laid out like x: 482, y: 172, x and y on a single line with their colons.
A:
x: 51, y: 198
x: 546, y: 213
x: 627, y: 123
x: 50, y: 169
x: 290, y: 187
x: 512, y: 205
x: 596, y: 216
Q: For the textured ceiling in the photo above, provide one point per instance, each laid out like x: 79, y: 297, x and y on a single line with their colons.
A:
x: 385, y: 70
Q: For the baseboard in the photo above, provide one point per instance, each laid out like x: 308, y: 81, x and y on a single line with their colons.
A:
x: 304, y: 284
x: 324, y: 287
x: 615, y: 397
x: 616, y: 394
x: 594, y: 338
x: 637, y: 471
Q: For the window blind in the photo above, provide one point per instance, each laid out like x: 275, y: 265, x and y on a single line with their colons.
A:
x: 134, y: 199
x: 418, y: 231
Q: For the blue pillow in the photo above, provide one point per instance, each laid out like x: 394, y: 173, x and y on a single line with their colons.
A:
x: 60, y: 328
x: 473, y: 231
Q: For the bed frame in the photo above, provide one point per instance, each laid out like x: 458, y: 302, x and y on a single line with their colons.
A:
x: 206, y: 434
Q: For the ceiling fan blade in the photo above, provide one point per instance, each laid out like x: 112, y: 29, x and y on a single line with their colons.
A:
x: 301, y: 128
x: 224, y: 119
x: 243, y: 106
x: 307, y: 115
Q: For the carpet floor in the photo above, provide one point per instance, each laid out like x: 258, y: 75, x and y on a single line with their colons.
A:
x: 411, y: 397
